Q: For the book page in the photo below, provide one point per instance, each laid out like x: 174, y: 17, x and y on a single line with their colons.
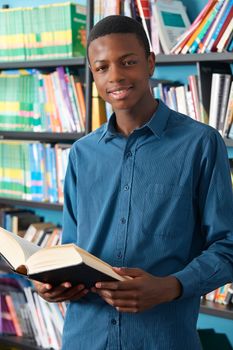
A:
x: 16, y: 250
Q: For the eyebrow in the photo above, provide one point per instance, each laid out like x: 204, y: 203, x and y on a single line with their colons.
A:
x: 120, y: 58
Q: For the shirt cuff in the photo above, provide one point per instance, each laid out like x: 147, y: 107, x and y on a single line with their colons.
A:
x: 189, y: 281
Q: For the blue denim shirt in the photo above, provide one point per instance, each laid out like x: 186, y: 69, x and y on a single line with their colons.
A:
x: 160, y: 200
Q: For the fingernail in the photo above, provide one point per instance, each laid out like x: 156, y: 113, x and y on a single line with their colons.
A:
x: 67, y: 284
x: 48, y: 286
x: 98, y: 285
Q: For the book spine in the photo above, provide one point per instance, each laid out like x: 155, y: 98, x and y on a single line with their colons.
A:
x: 220, y: 23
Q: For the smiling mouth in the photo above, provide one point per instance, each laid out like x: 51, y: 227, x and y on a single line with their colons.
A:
x: 120, y: 94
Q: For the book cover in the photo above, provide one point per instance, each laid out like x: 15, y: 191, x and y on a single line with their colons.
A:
x: 172, y: 21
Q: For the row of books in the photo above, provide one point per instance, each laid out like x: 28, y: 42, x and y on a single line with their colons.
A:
x: 26, y: 223
x: 31, y: 100
x: 222, y: 295
x: 186, y: 99
x: 33, y: 170
x: 43, y: 32
x: 169, y: 29
x: 212, y: 30
x: 162, y: 20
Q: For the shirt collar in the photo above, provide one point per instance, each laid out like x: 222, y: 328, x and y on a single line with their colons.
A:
x: 156, y: 124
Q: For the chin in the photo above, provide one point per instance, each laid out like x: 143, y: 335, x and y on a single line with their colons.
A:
x: 123, y: 105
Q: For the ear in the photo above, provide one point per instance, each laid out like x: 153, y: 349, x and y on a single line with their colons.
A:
x: 151, y: 63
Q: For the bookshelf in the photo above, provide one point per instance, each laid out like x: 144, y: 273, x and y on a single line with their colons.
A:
x: 193, y: 58
x: 16, y: 343
x: 78, y: 63
x: 215, y: 309
x: 209, y: 308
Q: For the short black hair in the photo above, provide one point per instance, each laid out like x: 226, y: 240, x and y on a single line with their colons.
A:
x: 118, y: 24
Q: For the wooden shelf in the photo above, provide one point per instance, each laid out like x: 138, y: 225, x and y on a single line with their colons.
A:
x: 78, y: 61
x: 18, y: 343
x: 162, y: 59
x: 33, y: 204
x: 215, y: 309
x: 40, y: 136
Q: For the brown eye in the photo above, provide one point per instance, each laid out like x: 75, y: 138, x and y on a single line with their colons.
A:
x: 101, y: 68
x: 129, y: 63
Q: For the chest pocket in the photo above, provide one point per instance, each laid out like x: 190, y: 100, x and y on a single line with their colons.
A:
x: 166, y: 210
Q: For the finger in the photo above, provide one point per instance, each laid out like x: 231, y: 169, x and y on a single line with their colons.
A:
x: 119, y: 303
x: 42, y: 287
x: 60, y: 291
x: 127, y: 309
x: 73, y: 292
x: 116, y: 295
x: 125, y: 271
x: 122, y: 285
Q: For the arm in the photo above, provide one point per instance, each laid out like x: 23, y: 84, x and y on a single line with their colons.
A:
x: 214, y: 267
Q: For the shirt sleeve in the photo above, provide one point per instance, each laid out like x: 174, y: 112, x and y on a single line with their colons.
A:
x: 69, y: 233
x: 214, y: 267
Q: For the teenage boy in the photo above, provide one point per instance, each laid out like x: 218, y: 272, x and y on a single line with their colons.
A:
x: 150, y: 191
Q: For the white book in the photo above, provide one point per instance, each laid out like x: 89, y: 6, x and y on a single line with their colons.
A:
x: 172, y: 21
x: 224, y: 102
x: 181, y: 100
x: 229, y: 112
x: 216, y: 95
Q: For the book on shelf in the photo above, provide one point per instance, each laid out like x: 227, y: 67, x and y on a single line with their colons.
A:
x: 229, y: 113
x: 98, y: 109
x: 219, y: 94
x: 172, y: 21
x: 54, y: 265
x: 205, y: 71
x: 210, y: 31
x: 219, y: 22
x: 43, y: 32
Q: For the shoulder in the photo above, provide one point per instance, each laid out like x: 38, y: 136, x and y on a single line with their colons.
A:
x: 89, y: 140
x: 193, y: 129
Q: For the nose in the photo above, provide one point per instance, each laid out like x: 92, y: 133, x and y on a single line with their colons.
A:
x: 115, y: 74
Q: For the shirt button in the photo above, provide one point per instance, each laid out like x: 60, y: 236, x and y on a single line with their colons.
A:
x: 123, y: 220
x: 126, y: 188
x: 113, y: 321
x: 119, y: 255
x: 129, y: 154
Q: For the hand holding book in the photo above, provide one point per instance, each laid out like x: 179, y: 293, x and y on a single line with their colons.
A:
x: 63, y: 292
x: 54, y: 265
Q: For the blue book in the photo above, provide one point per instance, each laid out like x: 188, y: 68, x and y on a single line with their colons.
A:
x: 230, y: 45
x: 193, y: 48
x: 219, y: 26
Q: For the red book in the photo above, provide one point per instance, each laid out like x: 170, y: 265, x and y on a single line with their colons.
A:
x: 227, y: 21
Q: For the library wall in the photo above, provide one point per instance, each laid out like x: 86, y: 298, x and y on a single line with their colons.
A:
x: 166, y: 72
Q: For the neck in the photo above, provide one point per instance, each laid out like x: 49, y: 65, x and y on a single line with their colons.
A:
x: 129, y: 120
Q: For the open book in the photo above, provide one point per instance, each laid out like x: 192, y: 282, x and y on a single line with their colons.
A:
x: 54, y: 265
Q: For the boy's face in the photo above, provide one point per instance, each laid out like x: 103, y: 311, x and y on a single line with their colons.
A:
x: 121, y: 70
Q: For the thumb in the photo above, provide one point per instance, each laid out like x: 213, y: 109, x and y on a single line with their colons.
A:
x: 125, y: 271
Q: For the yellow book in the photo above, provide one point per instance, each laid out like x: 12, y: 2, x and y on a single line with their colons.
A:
x: 98, y: 109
